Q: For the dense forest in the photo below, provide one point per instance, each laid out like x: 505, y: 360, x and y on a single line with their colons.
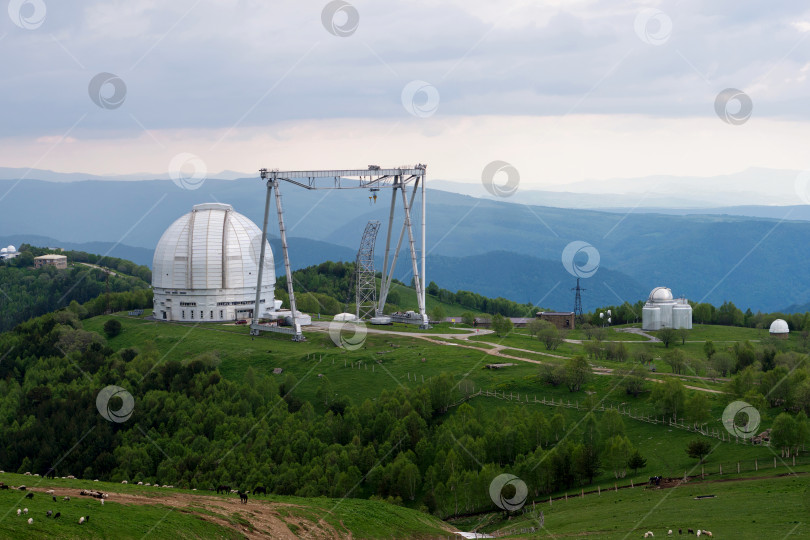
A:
x: 26, y: 292
x: 424, y: 447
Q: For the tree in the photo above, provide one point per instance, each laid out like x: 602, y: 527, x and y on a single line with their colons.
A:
x: 501, y: 325
x: 618, y: 452
x: 612, y: 424
x: 535, y: 325
x: 683, y: 333
x: 709, y: 350
x: 698, y: 409
x: 550, y: 337
x: 698, y: 449
x: 644, y: 355
x: 468, y: 318
x: 784, y: 433
x: 667, y: 336
x: 669, y: 396
x: 636, y: 461
x: 723, y: 363
x: 577, y: 372
x: 634, y: 381
x: 112, y: 328
x: 553, y: 374
x: 437, y: 313
x: 676, y: 360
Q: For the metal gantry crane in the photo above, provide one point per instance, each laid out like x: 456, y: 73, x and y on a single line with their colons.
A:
x: 374, y: 179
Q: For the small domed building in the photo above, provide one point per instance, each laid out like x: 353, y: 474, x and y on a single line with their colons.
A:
x: 779, y: 329
x: 205, y: 267
x: 664, y: 311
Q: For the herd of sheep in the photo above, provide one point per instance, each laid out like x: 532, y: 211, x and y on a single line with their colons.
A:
x: 650, y: 534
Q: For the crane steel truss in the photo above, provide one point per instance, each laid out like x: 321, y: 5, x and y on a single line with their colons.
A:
x: 366, y: 285
x: 372, y: 178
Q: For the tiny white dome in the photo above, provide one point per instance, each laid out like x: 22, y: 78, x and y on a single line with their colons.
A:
x: 4, y: 250
x: 779, y: 326
x: 661, y: 294
x: 11, y: 249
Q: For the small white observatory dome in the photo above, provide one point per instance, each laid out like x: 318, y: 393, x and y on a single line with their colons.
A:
x: 779, y: 328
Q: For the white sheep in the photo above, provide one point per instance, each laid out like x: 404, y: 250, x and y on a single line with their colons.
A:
x: 669, y: 532
x: 140, y: 483
x: 698, y: 532
x: 124, y: 482
x: 25, y: 511
x: 19, y: 511
x: 81, y: 520
x: 102, y: 502
x: 30, y: 521
x: 649, y: 534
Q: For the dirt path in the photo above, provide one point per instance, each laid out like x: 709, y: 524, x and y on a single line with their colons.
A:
x: 257, y: 519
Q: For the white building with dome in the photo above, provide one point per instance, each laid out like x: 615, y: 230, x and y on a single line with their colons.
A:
x: 8, y: 252
x: 779, y: 329
x: 664, y: 311
x: 206, y: 267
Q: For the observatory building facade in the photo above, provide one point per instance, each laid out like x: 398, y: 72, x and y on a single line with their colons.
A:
x: 663, y: 311
x: 206, y: 267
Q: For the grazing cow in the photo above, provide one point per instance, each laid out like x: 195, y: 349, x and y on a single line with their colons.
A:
x: 58, y: 515
x: 49, y: 513
x: 54, y: 498
x: 243, y: 497
x: 30, y: 495
x: 680, y: 531
x: 223, y: 489
x: 3, y: 486
x: 690, y: 531
x: 66, y: 498
x: 260, y: 489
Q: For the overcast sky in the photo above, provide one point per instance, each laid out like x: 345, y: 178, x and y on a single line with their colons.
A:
x: 562, y: 90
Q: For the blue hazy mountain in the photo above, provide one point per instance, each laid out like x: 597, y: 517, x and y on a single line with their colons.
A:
x: 758, y: 262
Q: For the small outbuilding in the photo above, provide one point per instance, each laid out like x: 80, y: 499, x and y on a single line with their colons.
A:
x: 779, y: 329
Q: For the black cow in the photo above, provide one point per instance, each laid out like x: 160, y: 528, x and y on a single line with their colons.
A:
x: 223, y: 489
x: 260, y: 489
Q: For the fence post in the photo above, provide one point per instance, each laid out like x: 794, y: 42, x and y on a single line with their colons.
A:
x: 581, y: 492
x: 702, y: 474
x: 721, y: 469
x: 599, y: 490
x: 631, y: 483
x: 566, y: 495
x: 738, y: 467
x: 774, y: 462
x: 615, y: 487
x: 549, y: 500
x: 794, y: 460
x: 756, y: 465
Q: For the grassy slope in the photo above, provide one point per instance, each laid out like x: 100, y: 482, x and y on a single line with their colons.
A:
x: 401, y: 358
x: 360, y: 518
x: 755, y: 509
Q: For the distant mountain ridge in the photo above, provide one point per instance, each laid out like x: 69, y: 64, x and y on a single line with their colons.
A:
x: 760, y: 263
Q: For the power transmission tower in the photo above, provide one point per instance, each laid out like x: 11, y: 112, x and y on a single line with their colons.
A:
x: 578, y: 301
x: 366, y: 285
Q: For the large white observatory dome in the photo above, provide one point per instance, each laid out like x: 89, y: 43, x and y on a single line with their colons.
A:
x: 206, y: 267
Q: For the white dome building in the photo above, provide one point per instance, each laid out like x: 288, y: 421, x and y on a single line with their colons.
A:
x: 8, y: 252
x: 779, y: 329
x: 664, y: 311
x: 206, y: 267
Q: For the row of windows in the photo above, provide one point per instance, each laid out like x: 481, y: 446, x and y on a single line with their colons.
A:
x: 242, y: 303
x: 202, y: 314
x: 188, y: 304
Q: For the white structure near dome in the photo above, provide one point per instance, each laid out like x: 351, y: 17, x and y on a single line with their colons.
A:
x: 8, y: 252
x: 664, y: 311
x: 206, y: 265
x: 779, y: 329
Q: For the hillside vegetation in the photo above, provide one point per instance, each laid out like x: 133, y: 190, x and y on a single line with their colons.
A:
x: 26, y: 292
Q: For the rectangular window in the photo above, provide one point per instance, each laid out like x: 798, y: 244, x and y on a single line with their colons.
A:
x: 202, y: 314
x: 184, y: 313
x: 211, y: 314
x: 192, y: 313
x: 220, y: 314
